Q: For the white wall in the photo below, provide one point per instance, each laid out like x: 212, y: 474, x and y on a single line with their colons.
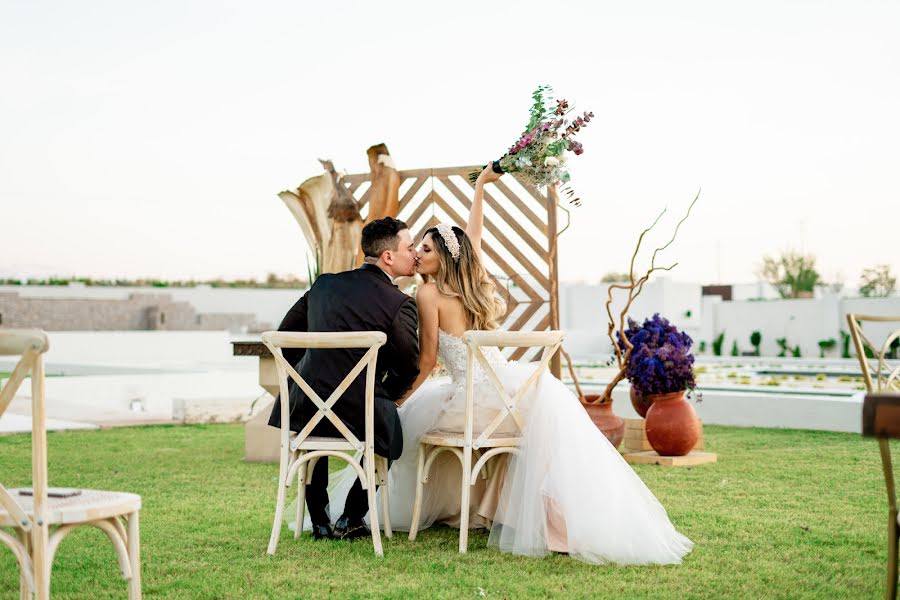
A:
x: 803, y: 322
x: 752, y: 291
x: 583, y: 311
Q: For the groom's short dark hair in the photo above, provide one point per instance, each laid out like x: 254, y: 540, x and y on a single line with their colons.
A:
x: 381, y: 235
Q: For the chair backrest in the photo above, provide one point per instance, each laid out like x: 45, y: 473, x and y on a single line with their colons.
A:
x: 550, y: 341
x: 29, y: 345
x: 886, y: 373
x: 370, y: 340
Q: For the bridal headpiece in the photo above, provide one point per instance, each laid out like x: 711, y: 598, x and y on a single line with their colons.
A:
x: 449, y: 238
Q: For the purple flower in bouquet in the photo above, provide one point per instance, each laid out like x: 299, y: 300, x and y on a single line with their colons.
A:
x: 661, y: 361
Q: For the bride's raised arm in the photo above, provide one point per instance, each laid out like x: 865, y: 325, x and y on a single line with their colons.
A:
x: 476, y: 215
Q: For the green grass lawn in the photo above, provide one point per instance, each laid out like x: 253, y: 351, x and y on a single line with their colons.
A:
x: 783, y: 514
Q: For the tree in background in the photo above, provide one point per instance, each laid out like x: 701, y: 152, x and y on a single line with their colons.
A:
x: 613, y: 277
x: 792, y: 274
x: 876, y: 282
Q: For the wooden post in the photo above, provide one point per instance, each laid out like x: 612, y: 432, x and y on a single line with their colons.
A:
x: 40, y: 532
x: 553, y: 263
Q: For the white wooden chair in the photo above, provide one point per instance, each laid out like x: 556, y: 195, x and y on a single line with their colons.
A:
x: 881, y: 376
x: 299, y: 452
x: 468, y: 445
x: 43, y: 518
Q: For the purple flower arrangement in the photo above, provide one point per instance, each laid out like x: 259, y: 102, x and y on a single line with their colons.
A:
x: 661, y: 361
x: 538, y: 155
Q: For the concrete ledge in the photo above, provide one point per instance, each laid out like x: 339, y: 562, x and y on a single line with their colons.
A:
x: 762, y: 409
x: 10, y: 423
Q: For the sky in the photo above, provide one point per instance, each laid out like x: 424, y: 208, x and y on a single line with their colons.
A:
x: 150, y: 139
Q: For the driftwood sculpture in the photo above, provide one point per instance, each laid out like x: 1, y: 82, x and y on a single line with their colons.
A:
x: 634, y: 287
x: 328, y: 214
x: 384, y: 193
x: 384, y: 200
x: 329, y: 218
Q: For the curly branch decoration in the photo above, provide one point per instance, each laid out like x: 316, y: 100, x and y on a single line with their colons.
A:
x: 634, y: 287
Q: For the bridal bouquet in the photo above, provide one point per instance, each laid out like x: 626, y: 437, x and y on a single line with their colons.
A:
x: 539, y: 154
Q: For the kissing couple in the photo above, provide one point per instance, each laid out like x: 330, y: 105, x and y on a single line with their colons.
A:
x: 566, y: 490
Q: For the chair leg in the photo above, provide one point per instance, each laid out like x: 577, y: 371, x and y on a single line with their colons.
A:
x: 279, y: 514
x: 24, y: 590
x: 385, y: 497
x: 39, y: 562
x: 304, y: 474
x: 464, y: 501
x: 373, y: 503
x: 134, y: 556
x: 417, y: 505
x: 891, y: 589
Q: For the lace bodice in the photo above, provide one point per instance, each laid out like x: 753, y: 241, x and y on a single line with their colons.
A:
x: 453, y: 352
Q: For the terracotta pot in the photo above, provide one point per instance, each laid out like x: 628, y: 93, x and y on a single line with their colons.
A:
x: 640, y: 402
x: 612, y: 426
x: 672, y: 426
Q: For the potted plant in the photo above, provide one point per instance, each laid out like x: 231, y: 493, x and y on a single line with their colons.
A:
x: 661, y: 369
x: 613, y: 427
x: 825, y: 346
x: 755, y: 341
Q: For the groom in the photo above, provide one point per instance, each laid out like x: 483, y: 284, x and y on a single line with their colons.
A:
x: 364, y: 299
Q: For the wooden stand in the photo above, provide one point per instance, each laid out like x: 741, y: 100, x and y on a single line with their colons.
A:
x: 636, y: 449
x: 261, y: 442
x: 693, y: 458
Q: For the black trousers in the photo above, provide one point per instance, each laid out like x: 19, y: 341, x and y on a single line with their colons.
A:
x: 317, y: 496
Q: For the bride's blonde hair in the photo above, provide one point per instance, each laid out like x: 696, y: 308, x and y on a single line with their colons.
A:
x: 467, y: 279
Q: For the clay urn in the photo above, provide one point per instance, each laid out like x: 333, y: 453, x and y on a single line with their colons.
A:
x: 672, y: 426
x: 640, y: 402
x: 611, y: 425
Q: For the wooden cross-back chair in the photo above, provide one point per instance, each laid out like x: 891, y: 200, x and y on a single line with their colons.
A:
x: 300, y: 452
x: 881, y: 376
x: 41, y: 517
x: 481, y: 446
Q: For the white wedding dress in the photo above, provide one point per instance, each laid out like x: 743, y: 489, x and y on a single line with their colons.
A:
x: 568, y: 483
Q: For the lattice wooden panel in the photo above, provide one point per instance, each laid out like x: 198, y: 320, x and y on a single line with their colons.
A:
x: 519, y: 242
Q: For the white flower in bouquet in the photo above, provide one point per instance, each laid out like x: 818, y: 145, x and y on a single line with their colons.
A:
x: 551, y: 161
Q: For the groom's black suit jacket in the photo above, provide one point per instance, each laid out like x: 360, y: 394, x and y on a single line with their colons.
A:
x: 360, y: 300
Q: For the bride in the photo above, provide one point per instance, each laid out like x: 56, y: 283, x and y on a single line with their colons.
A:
x: 568, y: 490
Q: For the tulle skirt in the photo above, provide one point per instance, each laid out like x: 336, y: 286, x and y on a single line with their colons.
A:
x: 567, y: 490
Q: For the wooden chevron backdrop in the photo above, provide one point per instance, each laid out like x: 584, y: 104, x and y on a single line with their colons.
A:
x: 519, y: 241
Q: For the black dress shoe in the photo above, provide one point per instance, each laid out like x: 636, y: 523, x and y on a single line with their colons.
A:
x: 345, y: 529
x: 322, y: 532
